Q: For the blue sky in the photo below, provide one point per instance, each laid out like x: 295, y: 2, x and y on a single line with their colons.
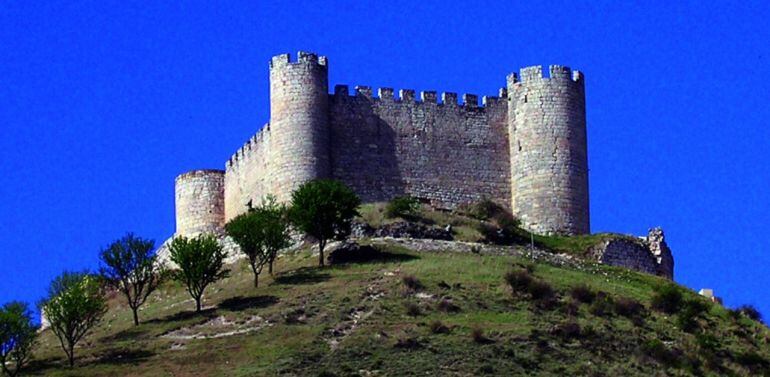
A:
x: 102, y: 104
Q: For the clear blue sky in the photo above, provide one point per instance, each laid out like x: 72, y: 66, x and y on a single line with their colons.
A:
x: 102, y: 104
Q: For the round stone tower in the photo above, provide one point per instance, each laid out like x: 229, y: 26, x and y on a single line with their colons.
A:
x: 549, y: 160
x: 299, y: 122
x: 200, y: 202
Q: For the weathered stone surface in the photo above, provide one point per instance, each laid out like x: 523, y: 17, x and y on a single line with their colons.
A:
x: 656, y: 243
x: 199, y: 201
x: 526, y: 149
x: 628, y: 253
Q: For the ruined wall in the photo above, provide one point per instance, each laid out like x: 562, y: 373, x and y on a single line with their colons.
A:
x: 549, y: 159
x: 627, y: 253
x: 199, y: 201
x: 447, y: 153
x: 247, y: 174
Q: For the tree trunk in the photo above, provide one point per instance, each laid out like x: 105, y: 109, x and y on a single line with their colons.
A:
x: 270, y: 267
x: 71, y: 356
x: 321, y: 254
x: 256, y: 281
x: 136, y: 316
x: 197, y: 304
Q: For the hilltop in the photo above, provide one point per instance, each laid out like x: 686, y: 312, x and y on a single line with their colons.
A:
x: 391, y: 306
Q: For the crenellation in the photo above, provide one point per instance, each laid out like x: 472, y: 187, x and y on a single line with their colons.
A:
x: 406, y: 95
x: 449, y: 98
x: 531, y: 73
x: 470, y: 101
x: 428, y: 96
x: 577, y: 76
x: 560, y: 72
x: 385, y: 94
x: 487, y: 101
x: 341, y: 90
x: 364, y: 91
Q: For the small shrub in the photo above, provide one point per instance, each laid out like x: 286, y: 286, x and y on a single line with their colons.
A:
x: 602, y: 306
x: 656, y: 350
x: 519, y: 280
x: 447, y: 306
x: 477, y: 334
x: 412, y: 309
x: 486, y: 369
x: 438, y: 327
x: 628, y: 307
x: 412, y: 283
x: 540, y: 290
x: 407, y: 342
x: 753, y: 361
x: 583, y: 293
x: 691, y: 310
x: 667, y: 298
x: 402, y: 206
x: 570, y: 308
x: 750, y: 312
x: 567, y: 330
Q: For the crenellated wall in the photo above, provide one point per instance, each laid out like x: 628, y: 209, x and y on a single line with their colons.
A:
x: 443, y: 152
x: 431, y: 147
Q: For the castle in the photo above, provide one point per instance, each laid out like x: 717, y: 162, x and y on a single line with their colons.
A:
x: 525, y: 148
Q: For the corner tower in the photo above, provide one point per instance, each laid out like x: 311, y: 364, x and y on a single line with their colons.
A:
x: 549, y: 159
x: 299, y: 122
x: 200, y: 202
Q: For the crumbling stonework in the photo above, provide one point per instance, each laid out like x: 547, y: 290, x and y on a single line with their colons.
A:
x: 526, y: 150
x: 650, y: 254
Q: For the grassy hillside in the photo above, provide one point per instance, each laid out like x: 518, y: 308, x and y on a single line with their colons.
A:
x: 418, y: 313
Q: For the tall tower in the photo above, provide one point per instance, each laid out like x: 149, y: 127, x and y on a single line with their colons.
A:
x: 299, y: 122
x: 549, y: 159
x: 200, y: 202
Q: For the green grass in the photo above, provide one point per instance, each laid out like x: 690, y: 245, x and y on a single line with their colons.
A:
x: 303, y: 305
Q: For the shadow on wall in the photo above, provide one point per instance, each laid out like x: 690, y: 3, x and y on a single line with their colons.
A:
x: 363, y: 148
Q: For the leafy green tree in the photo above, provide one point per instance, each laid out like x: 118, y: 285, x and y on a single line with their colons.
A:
x: 17, y: 336
x: 324, y: 209
x: 131, y: 266
x: 200, y: 260
x: 74, y: 306
x: 260, y: 233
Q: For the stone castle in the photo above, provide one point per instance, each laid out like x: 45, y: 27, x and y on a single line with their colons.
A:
x: 525, y: 148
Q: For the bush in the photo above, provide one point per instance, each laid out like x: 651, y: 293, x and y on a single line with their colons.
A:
x: 750, y: 312
x: 412, y: 309
x: 567, y: 330
x: 667, y: 298
x: 412, y: 283
x: 628, y: 307
x: 753, y: 361
x: 519, y: 280
x: 691, y: 310
x: 477, y: 334
x: 447, y: 306
x: 603, y: 305
x: 583, y: 293
x: 540, y: 290
x: 438, y: 327
x: 402, y: 206
x: 656, y: 350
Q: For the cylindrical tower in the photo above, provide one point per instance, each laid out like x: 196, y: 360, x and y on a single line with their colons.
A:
x: 549, y: 158
x: 299, y: 122
x: 200, y: 202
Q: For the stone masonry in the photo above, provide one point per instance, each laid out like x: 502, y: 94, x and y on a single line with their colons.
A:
x: 649, y: 254
x: 525, y: 148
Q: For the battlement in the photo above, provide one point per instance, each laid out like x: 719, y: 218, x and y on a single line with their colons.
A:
x: 469, y: 101
x: 198, y: 173
x: 302, y: 58
x: 556, y: 72
x: 253, y: 144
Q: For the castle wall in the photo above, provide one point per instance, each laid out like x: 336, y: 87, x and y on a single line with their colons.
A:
x: 247, y: 174
x: 549, y: 158
x: 447, y: 153
x: 199, y: 201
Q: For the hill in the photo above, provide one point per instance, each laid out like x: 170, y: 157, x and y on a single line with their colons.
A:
x: 391, y: 307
